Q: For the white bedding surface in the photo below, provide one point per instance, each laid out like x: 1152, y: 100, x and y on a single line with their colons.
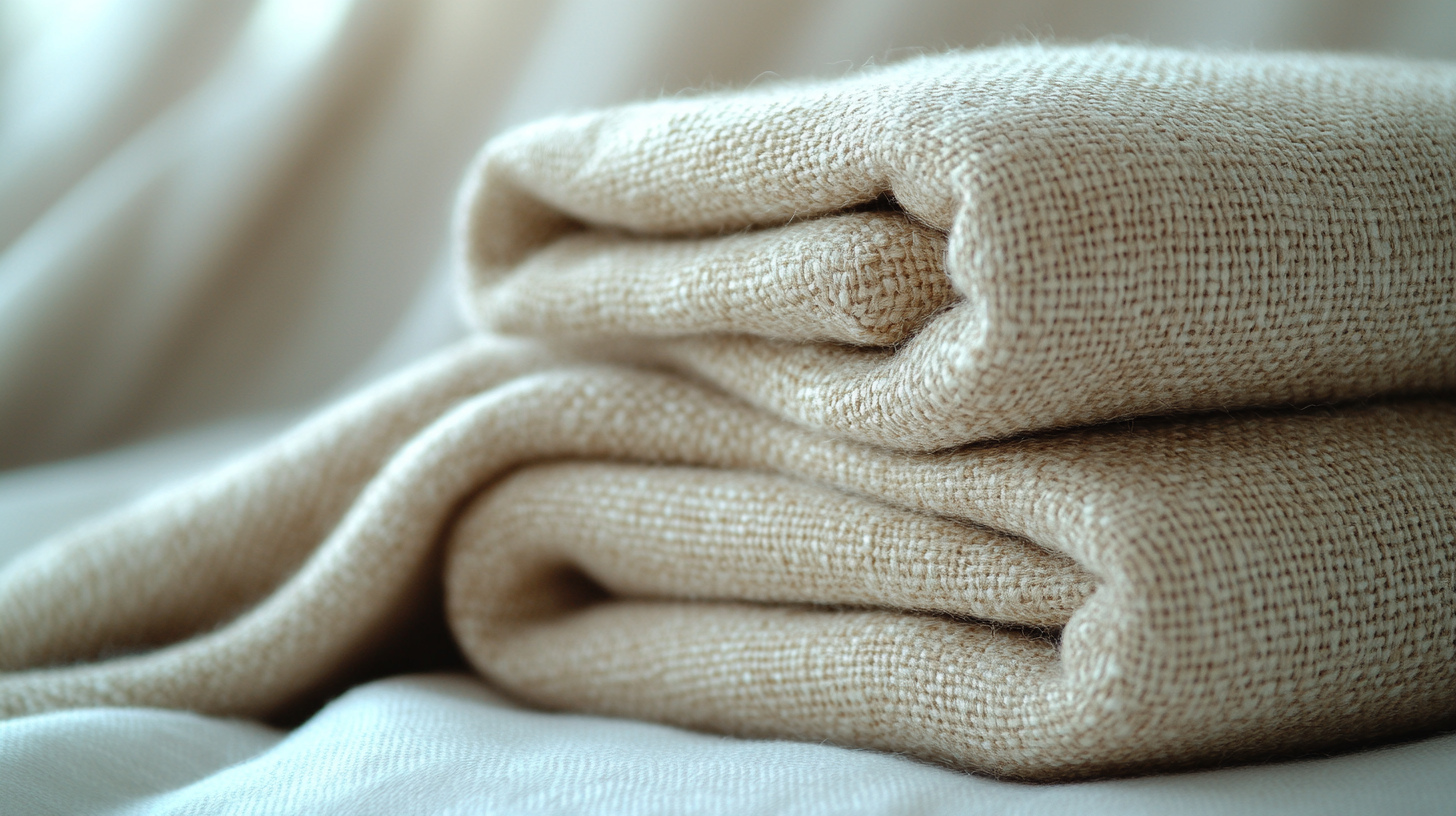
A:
x: 446, y: 744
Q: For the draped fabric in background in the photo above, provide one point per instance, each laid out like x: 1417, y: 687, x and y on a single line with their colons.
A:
x: 217, y: 215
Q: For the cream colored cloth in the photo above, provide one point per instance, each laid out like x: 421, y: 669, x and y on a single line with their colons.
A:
x: 1230, y: 588
x: 1057, y: 236
x: 1148, y: 594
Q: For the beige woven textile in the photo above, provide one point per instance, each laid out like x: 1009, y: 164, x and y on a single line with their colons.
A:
x: 1225, y: 588
x: 773, y: 551
x: 1088, y: 233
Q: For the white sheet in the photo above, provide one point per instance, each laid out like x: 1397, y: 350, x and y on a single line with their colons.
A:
x: 445, y: 744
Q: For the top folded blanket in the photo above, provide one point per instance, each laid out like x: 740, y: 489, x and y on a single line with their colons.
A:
x: 976, y: 245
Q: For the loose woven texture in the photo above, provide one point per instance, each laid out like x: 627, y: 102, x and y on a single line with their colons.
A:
x: 1264, y: 585
x: 1225, y: 588
x: 954, y: 249
x: 1087, y: 233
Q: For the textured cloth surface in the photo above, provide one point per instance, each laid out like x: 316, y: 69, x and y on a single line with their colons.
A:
x: 1230, y: 588
x: 447, y: 745
x: 450, y: 746
x: 200, y: 224
x: 1052, y: 236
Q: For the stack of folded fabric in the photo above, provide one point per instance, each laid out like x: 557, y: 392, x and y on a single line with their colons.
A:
x: 1048, y: 412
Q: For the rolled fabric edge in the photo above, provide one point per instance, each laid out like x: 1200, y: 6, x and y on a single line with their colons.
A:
x: 1133, y: 231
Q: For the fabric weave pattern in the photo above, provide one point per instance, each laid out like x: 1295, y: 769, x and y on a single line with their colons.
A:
x: 852, y: 512
x: 1128, y: 231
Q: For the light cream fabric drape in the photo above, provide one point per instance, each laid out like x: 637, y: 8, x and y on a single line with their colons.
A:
x: 217, y: 210
x: 1181, y: 590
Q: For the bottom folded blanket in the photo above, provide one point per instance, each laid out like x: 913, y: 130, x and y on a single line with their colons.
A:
x: 1145, y: 595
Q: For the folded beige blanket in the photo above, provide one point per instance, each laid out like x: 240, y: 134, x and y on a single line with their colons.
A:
x: 1151, y: 593
x: 1140, y: 596
x: 973, y: 245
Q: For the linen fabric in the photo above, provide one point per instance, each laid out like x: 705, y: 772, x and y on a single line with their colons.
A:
x: 443, y: 744
x: 180, y: 250
x: 974, y: 245
x: 1213, y: 580
x: 943, y: 252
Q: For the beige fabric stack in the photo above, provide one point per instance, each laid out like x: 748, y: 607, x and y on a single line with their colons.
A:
x: 791, y: 464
